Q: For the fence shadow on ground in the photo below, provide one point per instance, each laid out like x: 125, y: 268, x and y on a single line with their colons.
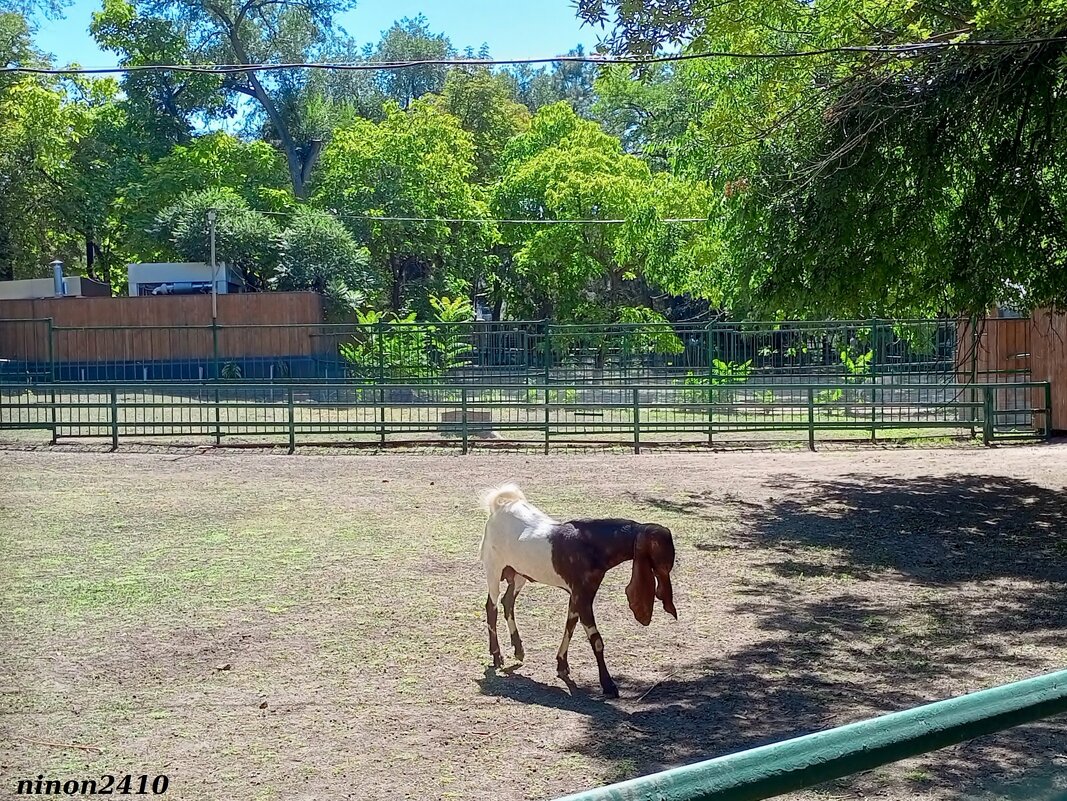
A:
x: 935, y: 583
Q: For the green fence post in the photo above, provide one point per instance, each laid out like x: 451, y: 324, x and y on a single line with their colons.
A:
x: 876, y: 339
x: 215, y: 346
x: 975, y: 343
x: 463, y: 420
x: 987, y: 415
x: 218, y: 420
x: 114, y: 419
x: 547, y: 419
x: 1048, y: 410
x: 709, y: 396
x: 546, y: 354
x: 711, y: 352
x: 811, y: 419
x: 711, y: 378
x: 772, y: 770
x: 52, y: 377
x: 874, y: 411
x: 381, y: 414
x: 381, y: 352
x: 292, y: 420
x: 637, y: 420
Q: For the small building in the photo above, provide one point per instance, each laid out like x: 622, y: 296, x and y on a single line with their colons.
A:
x: 182, y: 278
x: 74, y: 286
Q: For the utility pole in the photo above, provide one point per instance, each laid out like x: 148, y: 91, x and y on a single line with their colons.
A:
x: 211, y: 215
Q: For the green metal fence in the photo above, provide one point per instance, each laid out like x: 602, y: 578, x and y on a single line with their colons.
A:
x: 468, y: 415
x: 805, y: 762
x: 33, y: 351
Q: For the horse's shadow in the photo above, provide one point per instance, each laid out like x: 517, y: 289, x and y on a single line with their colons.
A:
x: 570, y: 697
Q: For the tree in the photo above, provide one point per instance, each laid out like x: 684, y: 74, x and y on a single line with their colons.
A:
x: 484, y: 105
x: 54, y: 191
x: 569, y: 81
x: 874, y: 183
x: 28, y: 9
x: 244, y: 239
x: 103, y: 161
x: 241, y: 32
x: 252, y: 171
x: 319, y: 254
x: 413, y: 164
x: 565, y: 168
x: 647, y: 110
x: 411, y: 40
x: 161, y: 106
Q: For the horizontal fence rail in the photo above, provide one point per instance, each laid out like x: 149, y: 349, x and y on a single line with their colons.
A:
x: 807, y: 761
x: 464, y: 415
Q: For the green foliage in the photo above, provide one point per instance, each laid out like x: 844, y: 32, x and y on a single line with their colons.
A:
x: 696, y: 389
x: 653, y: 333
x: 919, y: 338
x: 162, y: 106
x: 447, y: 348
x: 570, y: 82
x: 401, y: 347
x: 566, y: 168
x: 862, y: 185
x: 49, y: 9
x: 829, y: 396
x: 724, y: 372
x: 253, y: 171
x: 705, y: 388
x: 244, y: 239
x: 569, y: 395
x: 484, y: 105
x: 411, y: 40
x: 227, y: 32
x: 857, y: 365
x: 387, y: 345
x: 417, y: 163
x: 36, y: 138
x: 647, y: 114
x: 319, y: 254
x: 63, y: 154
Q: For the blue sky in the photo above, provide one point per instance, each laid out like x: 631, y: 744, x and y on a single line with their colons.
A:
x: 511, y: 29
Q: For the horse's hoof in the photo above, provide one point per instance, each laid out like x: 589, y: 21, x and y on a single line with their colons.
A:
x: 498, y: 661
x: 611, y: 691
x: 520, y: 655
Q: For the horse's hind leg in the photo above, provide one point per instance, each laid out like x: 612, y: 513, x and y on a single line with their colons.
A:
x: 493, y: 580
x: 515, y: 585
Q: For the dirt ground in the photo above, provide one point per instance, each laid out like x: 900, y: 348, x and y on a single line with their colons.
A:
x: 260, y: 626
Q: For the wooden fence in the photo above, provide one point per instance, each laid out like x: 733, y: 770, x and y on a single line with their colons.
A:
x: 1048, y: 360
x: 1006, y: 349
x: 159, y: 328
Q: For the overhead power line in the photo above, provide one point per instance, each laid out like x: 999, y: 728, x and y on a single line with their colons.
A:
x: 913, y: 48
x: 485, y: 220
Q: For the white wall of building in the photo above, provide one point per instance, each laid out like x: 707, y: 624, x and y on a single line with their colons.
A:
x: 33, y: 288
x: 181, y: 274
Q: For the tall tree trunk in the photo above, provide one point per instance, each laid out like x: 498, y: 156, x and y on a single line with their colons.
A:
x: 300, y: 159
x: 90, y: 256
x: 396, y: 291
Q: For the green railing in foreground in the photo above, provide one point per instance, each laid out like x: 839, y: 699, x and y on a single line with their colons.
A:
x: 807, y: 761
x: 552, y: 413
